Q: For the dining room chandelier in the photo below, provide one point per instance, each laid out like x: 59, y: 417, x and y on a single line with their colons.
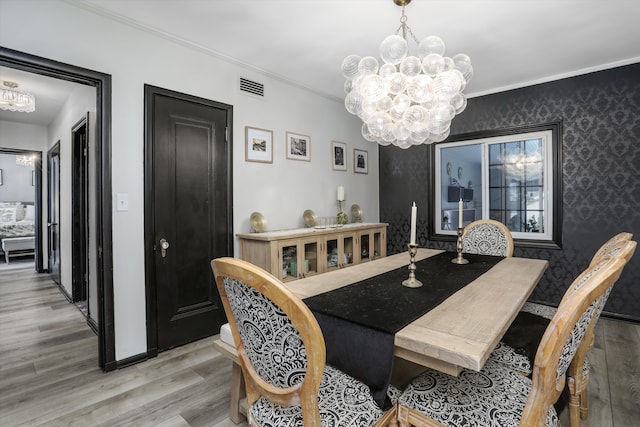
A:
x: 13, y: 100
x: 406, y: 100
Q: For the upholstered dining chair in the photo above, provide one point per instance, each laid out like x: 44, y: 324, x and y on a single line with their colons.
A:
x: 497, y: 395
x: 282, y: 356
x: 487, y: 237
x: 525, y: 333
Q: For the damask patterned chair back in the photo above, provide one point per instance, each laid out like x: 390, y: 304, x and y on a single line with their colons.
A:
x: 564, y: 336
x: 487, y: 237
x: 605, y: 249
x: 278, y: 340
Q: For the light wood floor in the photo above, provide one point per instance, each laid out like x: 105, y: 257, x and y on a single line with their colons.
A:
x: 49, y: 371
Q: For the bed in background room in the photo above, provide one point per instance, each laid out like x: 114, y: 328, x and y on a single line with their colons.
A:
x: 17, y: 228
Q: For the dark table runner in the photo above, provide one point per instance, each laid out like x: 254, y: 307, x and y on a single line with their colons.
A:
x: 359, y: 321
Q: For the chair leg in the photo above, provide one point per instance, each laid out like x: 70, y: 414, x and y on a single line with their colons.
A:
x: 574, y: 404
x: 584, y: 403
x: 237, y: 394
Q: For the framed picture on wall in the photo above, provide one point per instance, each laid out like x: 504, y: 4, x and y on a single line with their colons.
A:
x: 298, y: 147
x: 338, y: 156
x: 360, y: 161
x: 258, y: 145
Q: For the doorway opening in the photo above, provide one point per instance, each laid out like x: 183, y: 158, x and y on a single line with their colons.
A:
x: 101, y: 191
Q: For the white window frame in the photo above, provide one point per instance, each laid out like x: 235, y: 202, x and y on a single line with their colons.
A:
x: 551, y: 233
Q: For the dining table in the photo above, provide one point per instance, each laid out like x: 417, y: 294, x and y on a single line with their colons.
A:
x: 362, y: 311
x: 448, y: 328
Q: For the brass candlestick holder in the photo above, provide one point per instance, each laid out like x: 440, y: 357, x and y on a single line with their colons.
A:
x: 459, y: 259
x: 412, y: 282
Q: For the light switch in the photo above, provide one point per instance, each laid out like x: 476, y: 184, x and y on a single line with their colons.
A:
x: 122, y: 202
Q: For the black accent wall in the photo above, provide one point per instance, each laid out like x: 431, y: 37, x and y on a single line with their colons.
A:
x: 600, y: 113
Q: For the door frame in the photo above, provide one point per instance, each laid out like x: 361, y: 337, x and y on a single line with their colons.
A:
x: 54, y: 152
x: 80, y: 213
x: 103, y: 220
x: 149, y: 204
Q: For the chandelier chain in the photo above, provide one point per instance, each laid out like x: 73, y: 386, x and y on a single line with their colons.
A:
x: 406, y: 28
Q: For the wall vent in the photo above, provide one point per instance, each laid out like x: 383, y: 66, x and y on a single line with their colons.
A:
x: 254, y: 88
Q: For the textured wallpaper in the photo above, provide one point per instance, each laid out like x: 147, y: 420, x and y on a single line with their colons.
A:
x: 600, y: 113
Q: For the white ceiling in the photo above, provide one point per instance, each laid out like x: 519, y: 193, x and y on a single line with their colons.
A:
x: 512, y: 43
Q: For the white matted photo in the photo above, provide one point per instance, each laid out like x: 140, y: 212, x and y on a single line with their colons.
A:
x: 259, y: 145
x: 360, y: 161
x: 298, y: 147
x: 338, y: 156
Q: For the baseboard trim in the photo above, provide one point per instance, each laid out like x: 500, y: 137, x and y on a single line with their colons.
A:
x: 132, y: 360
x: 93, y: 325
x: 65, y: 293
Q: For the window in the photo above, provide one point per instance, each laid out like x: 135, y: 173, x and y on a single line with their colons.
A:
x: 511, y: 176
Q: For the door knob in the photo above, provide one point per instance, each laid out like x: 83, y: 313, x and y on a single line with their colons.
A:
x: 164, y: 245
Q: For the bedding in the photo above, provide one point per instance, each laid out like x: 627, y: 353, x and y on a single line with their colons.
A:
x: 22, y: 228
x: 17, y: 219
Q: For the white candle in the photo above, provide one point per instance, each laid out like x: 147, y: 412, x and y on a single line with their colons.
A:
x: 460, y: 213
x: 341, y: 193
x: 414, y: 211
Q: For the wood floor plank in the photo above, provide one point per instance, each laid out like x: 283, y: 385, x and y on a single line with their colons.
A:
x: 623, y: 365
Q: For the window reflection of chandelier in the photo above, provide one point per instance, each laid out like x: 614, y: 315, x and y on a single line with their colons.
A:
x: 23, y: 160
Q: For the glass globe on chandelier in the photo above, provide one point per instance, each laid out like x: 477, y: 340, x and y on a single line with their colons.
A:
x: 408, y: 100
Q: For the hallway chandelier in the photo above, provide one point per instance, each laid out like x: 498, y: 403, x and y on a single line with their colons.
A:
x: 408, y: 100
x: 13, y: 100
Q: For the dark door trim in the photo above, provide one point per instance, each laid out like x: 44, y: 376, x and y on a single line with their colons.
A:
x: 53, y: 206
x: 150, y: 92
x: 79, y: 212
x: 103, y: 221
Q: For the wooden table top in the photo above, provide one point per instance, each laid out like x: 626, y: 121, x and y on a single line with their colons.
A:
x: 463, y: 330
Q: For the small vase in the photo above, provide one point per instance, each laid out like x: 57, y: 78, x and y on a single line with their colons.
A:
x: 342, y: 218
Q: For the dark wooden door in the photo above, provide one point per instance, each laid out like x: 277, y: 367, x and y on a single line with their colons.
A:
x: 53, y: 203
x: 190, y: 213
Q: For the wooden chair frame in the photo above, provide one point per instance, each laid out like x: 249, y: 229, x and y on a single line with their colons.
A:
x: 497, y: 224
x: 606, y: 246
x: 577, y: 377
x: 304, y: 393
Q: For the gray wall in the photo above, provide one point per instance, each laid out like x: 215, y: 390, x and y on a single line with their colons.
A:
x: 16, y: 180
x: 601, y: 174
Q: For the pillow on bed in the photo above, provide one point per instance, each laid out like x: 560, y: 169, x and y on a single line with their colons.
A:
x: 19, y: 212
x: 8, y: 214
x: 30, y: 213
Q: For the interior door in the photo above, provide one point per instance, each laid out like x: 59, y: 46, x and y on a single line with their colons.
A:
x: 188, y: 213
x: 80, y: 214
x: 53, y: 204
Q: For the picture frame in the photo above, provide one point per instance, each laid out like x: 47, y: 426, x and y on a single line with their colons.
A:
x: 298, y: 146
x: 258, y: 145
x: 360, y: 161
x: 338, y: 156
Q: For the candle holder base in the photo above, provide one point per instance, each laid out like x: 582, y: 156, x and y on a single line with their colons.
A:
x: 412, y: 282
x: 460, y: 259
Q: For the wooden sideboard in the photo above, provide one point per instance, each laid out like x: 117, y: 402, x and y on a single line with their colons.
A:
x: 303, y: 252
